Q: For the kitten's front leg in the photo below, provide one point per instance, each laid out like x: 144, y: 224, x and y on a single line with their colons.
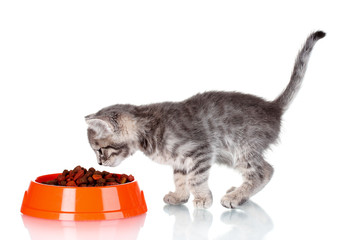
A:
x: 181, y: 194
x: 198, y: 184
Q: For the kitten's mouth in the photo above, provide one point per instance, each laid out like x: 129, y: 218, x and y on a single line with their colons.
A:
x: 100, y: 156
x: 99, y: 151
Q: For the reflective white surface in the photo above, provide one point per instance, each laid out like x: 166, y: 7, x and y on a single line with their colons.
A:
x: 247, y: 222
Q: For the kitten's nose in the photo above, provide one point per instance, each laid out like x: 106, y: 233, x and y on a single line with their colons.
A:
x: 100, y: 163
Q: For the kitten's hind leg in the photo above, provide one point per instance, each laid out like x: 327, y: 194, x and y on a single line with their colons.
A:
x: 256, y: 174
x: 181, y: 194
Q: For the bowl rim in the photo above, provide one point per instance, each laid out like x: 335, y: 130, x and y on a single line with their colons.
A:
x: 95, y: 187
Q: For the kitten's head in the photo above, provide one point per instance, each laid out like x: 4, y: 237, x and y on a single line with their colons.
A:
x: 112, y: 136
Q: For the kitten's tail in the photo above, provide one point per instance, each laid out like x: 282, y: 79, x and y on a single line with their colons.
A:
x: 299, y: 70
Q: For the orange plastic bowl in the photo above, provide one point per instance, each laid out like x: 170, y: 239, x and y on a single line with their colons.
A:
x: 82, y: 203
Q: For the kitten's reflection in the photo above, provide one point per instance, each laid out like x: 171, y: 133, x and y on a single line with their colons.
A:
x: 247, y: 222
x: 184, y: 227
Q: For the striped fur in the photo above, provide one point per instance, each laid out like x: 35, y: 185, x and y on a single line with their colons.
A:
x: 228, y: 128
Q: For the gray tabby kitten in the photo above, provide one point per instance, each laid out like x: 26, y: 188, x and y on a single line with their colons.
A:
x: 229, y: 128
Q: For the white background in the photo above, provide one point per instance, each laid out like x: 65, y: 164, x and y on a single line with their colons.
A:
x: 62, y: 60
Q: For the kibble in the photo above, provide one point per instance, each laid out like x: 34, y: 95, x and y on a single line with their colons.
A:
x: 81, y: 177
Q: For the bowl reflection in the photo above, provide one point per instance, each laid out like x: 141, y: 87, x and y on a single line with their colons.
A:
x: 40, y: 229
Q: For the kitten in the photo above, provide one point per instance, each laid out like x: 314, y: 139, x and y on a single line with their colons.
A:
x: 229, y: 128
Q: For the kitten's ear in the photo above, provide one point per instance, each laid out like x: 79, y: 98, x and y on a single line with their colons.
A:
x: 100, y: 125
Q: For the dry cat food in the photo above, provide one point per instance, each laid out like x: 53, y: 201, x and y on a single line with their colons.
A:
x: 81, y: 177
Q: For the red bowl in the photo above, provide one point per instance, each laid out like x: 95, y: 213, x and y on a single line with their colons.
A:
x: 82, y: 203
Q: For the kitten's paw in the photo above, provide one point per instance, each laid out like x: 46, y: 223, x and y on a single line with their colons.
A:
x: 203, y: 203
x: 175, y: 199
x: 232, y: 200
